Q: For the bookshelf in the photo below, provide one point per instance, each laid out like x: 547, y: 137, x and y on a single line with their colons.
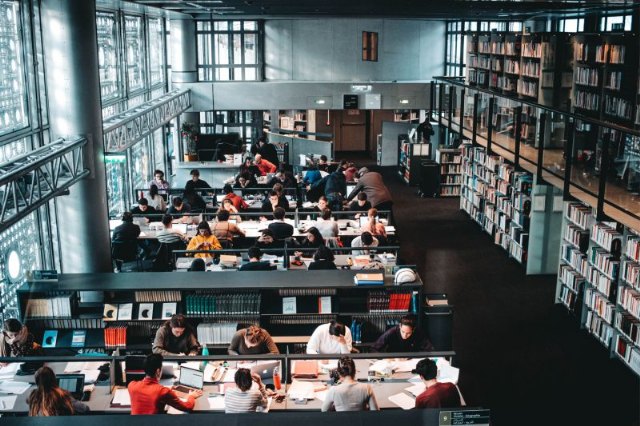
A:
x: 450, y: 161
x: 214, y: 312
x: 292, y: 121
x: 411, y: 154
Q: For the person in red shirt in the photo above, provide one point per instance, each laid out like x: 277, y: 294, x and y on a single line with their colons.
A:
x: 237, y: 200
x: 148, y: 396
x: 438, y: 394
x: 263, y: 165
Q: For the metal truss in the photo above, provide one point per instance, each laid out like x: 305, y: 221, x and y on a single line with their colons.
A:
x: 31, y: 180
x: 124, y: 130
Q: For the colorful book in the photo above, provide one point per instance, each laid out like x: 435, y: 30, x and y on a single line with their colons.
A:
x: 125, y: 311
x: 110, y: 312
x: 145, y: 311
x: 169, y: 309
x: 78, y: 338
x: 50, y: 339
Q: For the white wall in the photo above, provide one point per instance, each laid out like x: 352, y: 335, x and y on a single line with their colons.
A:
x: 331, y: 50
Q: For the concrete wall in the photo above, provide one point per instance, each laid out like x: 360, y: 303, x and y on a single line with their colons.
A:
x: 331, y: 50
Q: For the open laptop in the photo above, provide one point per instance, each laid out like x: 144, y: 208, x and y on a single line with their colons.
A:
x: 190, y: 380
x: 181, y: 227
x: 265, y: 369
x: 72, y: 383
x: 350, y: 188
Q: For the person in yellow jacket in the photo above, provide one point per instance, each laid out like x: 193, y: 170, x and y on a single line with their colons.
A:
x: 204, y: 240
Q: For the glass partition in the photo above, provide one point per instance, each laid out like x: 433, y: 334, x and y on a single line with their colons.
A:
x: 467, y: 122
x: 483, y: 114
x: 555, y: 139
x: 456, y: 112
x: 504, y: 123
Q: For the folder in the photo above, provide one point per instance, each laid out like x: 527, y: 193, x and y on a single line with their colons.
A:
x: 305, y: 369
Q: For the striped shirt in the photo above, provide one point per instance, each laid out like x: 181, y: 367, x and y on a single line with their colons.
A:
x: 237, y: 401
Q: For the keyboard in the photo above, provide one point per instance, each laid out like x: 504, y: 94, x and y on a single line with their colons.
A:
x: 182, y: 389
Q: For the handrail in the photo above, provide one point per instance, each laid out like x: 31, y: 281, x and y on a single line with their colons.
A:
x: 595, y: 121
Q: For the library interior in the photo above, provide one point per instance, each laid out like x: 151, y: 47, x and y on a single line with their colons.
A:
x: 267, y: 211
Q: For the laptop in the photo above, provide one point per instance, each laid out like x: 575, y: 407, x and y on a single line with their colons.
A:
x: 265, y: 369
x: 72, y: 383
x: 181, y: 227
x: 190, y: 380
x: 350, y: 188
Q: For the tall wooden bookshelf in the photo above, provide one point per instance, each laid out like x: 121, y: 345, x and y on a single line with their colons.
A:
x: 450, y: 162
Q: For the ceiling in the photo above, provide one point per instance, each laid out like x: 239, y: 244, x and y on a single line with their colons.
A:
x: 432, y: 9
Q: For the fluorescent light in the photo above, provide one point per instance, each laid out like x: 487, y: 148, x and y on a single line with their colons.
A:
x: 320, y: 101
x: 404, y: 101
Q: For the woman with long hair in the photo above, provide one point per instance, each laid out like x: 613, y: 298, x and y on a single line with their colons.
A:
x: 156, y: 200
x: 204, y: 240
x: 349, y: 395
x: 50, y: 400
x: 175, y: 337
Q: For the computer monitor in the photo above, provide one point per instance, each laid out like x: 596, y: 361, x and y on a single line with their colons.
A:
x: 72, y: 383
x: 191, y: 378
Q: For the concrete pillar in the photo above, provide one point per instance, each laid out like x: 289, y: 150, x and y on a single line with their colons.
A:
x: 71, y: 59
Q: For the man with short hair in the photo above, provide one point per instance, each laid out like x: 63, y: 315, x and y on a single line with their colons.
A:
x: 273, y: 202
x: 330, y: 338
x: 195, y: 182
x: 162, y: 185
x: 281, y: 230
x: 265, y: 166
x: 144, y: 209
x: 366, y: 241
x: 360, y: 205
x: 255, y: 264
x: 170, y: 235
x: 127, y: 230
x: 267, y: 151
x: 178, y: 207
x: 438, y: 394
x: 404, y: 337
x: 237, y: 201
x: 148, y: 396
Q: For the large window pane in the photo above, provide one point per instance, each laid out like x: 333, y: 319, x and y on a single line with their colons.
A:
x: 108, y: 55
x: 134, y: 52
x: 12, y: 87
x: 250, y: 54
x: 237, y: 49
x: 156, y: 51
x: 222, y: 49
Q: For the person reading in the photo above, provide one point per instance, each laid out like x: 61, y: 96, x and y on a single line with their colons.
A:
x: 148, y: 396
x: 204, y: 240
x: 244, y: 398
x: 330, y: 338
x: 281, y: 229
x: 252, y: 340
x: 349, y: 395
x: 438, y: 394
x: 16, y: 340
x: 404, y: 337
x: 255, y: 264
x: 176, y: 337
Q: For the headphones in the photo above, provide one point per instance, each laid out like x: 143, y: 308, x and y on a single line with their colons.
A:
x: 405, y: 275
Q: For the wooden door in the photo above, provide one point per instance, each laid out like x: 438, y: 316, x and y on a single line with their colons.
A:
x: 352, y: 131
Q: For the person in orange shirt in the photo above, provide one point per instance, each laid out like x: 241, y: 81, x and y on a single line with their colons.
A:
x: 264, y: 166
x: 237, y: 200
x: 148, y: 396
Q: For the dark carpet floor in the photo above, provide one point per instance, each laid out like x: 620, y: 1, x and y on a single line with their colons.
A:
x: 519, y: 354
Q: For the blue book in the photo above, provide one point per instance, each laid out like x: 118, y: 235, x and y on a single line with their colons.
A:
x: 78, y: 338
x: 50, y: 339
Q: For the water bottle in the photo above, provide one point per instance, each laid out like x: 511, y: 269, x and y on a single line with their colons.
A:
x: 205, y: 352
x: 276, y: 379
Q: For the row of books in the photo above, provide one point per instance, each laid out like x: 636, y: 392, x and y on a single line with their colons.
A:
x: 68, y: 323
x: 511, y: 66
x: 532, y: 50
x: 581, y: 52
x: 575, y: 258
x: 613, y: 80
x: 586, y: 100
x: 158, y: 296
x: 600, y: 281
x: 629, y: 353
x: 115, y: 336
x: 301, y: 319
x: 284, y: 292
x: 531, y: 68
x: 610, y: 53
x: 213, y: 304
x: 383, y: 301
x: 571, y: 278
x: 599, y: 328
x: 59, y: 306
x: 451, y: 179
x: 632, y: 248
x: 605, y: 262
x: 577, y: 236
x: 617, y: 107
x: 586, y: 76
x: 629, y: 299
x: 629, y: 272
x: 450, y: 191
x: 212, y: 334
x: 578, y: 213
x: 629, y: 326
x: 599, y: 304
x: 568, y: 298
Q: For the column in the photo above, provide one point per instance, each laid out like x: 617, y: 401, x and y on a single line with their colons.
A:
x: 71, y: 60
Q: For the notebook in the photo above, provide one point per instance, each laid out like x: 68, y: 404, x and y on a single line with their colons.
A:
x: 305, y: 369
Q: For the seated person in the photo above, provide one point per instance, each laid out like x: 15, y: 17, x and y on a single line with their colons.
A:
x: 283, y: 178
x: 366, y: 241
x: 437, y: 394
x: 403, y: 337
x: 238, y: 201
x: 48, y: 399
x: 204, y: 240
x: 170, y: 235
x: 245, y: 180
x: 323, y: 163
x: 225, y: 230
x: 243, y: 398
x: 252, y: 340
x: 281, y: 230
x: 156, y: 200
x: 255, y: 264
x: 330, y: 338
x: 282, y: 198
x: 322, y: 203
x: 195, y: 182
x: 349, y: 395
x: 159, y: 182
x: 272, y: 202
x: 127, y: 230
x: 312, y: 175
x: 16, y: 340
x: 373, y: 226
x: 143, y: 209
x: 326, y: 225
x: 228, y: 206
x: 322, y: 259
x: 178, y: 208
x: 197, y: 265
x: 148, y: 396
x: 176, y: 337
x: 264, y: 166
x: 195, y: 201
x: 313, y: 240
x: 360, y: 204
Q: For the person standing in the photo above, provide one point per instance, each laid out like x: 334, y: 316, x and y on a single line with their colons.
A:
x: 371, y: 183
x: 162, y: 185
x: 438, y: 394
x: 148, y: 396
x: 349, y: 395
x: 48, y: 399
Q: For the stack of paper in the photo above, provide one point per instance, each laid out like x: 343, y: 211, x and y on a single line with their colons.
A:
x: 12, y: 387
x: 403, y: 401
x: 216, y: 402
x: 9, y: 371
x: 121, y: 397
x: 7, y: 402
x: 301, y: 390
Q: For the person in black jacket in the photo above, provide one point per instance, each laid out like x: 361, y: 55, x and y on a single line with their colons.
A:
x: 322, y: 259
x: 281, y: 230
x: 144, y: 209
x: 127, y: 231
x: 336, y: 189
x: 195, y: 182
x: 266, y: 150
x: 272, y: 202
x: 254, y: 261
x: 404, y: 337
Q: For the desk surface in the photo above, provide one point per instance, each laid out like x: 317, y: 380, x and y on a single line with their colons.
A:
x: 341, y: 261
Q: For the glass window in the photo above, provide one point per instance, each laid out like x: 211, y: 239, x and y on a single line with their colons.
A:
x: 571, y: 25
x: 108, y: 55
x: 12, y: 70
x: 156, y: 51
x: 228, y: 52
x: 134, y: 52
x: 615, y: 23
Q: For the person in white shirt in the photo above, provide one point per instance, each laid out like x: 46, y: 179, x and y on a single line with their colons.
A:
x: 330, y: 338
x: 366, y: 241
x: 328, y: 228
